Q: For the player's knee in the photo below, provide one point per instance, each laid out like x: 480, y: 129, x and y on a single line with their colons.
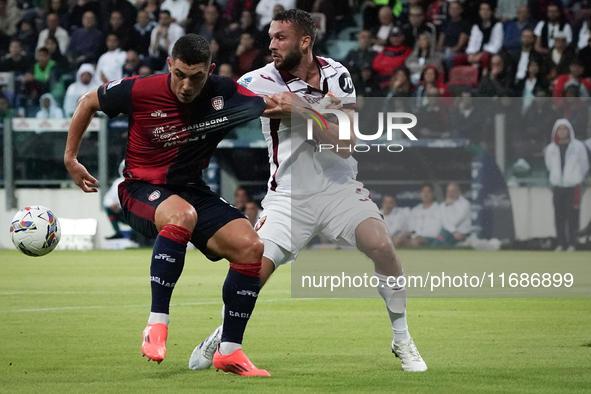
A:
x: 253, y: 250
x: 381, y: 251
x: 186, y: 218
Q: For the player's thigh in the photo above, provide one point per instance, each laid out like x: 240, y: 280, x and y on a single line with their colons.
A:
x: 213, y: 214
x: 139, y: 203
x: 285, y: 226
x: 237, y: 242
x: 342, y: 208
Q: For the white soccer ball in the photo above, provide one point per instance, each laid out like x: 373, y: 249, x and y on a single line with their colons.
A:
x: 35, y: 231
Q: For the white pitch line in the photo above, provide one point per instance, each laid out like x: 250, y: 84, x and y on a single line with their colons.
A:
x: 67, y: 308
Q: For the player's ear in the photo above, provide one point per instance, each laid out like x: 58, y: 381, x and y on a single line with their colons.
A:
x: 306, y: 41
x: 168, y: 60
x: 211, y: 68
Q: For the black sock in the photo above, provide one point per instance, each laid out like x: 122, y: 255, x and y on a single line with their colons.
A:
x: 240, y: 294
x: 168, y: 259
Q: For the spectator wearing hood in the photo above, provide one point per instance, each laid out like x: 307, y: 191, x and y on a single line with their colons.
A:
x: 567, y: 162
x: 84, y: 84
x: 49, y: 108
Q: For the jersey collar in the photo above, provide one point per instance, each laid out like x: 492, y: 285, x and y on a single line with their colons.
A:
x: 295, y: 84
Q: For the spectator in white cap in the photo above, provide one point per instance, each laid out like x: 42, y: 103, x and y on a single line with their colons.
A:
x: 568, y: 163
x: 560, y: 57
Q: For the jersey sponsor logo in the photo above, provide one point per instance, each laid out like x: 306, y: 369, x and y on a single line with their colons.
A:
x: 114, y: 83
x: 217, y: 103
x: 197, y: 127
x: 245, y: 81
x: 346, y: 83
x: 260, y: 223
x: 154, y: 196
x: 159, y: 114
x: 267, y: 78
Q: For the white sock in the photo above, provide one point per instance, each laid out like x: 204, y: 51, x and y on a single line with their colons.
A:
x: 159, y: 318
x: 399, y: 326
x: 229, y: 347
x: 394, y: 298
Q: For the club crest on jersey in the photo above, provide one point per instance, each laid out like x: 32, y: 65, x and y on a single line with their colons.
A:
x: 154, y: 196
x: 217, y: 102
x: 260, y: 223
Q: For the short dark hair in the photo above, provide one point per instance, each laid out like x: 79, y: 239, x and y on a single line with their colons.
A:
x: 191, y: 49
x: 43, y: 49
x: 164, y: 12
x: 430, y: 186
x: 301, y: 20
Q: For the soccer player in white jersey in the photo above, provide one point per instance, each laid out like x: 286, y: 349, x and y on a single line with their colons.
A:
x: 330, y: 201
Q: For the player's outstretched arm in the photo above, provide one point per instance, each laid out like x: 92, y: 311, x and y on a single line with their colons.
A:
x: 85, y: 110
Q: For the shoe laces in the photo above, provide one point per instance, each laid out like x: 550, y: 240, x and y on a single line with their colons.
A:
x: 411, y: 349
x: 210, y: 345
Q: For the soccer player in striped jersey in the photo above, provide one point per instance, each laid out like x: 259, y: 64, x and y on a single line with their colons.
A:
x: 312, y: 191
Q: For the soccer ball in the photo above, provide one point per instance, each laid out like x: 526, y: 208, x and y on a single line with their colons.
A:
x: 35, y: 231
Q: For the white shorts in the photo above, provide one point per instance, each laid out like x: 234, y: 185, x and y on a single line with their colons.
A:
x: 291, y: 223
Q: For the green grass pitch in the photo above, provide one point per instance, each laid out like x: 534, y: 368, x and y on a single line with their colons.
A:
x: 71, y: 322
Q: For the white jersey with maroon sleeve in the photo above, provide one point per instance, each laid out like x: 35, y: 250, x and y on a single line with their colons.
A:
x: 298, y: 169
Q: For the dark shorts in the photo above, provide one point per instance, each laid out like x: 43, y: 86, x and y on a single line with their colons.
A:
x: 139, y: 201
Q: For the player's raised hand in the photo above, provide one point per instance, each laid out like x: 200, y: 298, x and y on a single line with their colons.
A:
x: 82, y: 177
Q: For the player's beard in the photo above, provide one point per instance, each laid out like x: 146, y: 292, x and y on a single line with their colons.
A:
x: 290, y: 61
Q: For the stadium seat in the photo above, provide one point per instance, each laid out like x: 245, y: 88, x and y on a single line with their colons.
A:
x: 463, y: 75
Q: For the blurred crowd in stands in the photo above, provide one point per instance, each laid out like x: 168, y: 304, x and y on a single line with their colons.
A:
x: 425, y: 50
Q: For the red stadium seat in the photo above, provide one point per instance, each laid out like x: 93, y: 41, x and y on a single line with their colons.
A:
x: 463, y: 75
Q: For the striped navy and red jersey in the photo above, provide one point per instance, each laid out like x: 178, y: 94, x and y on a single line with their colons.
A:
x: 170, y: 142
